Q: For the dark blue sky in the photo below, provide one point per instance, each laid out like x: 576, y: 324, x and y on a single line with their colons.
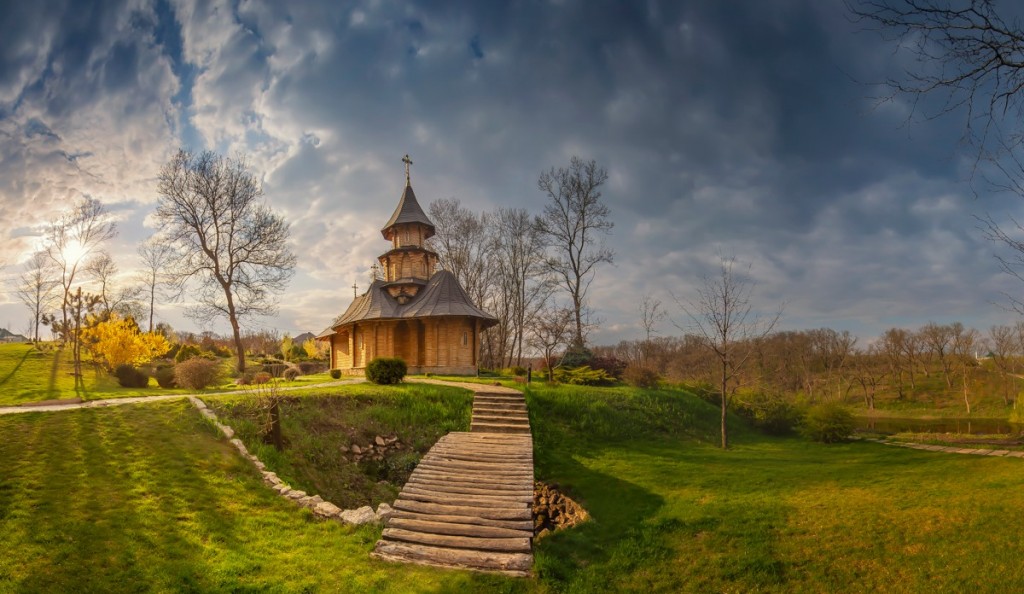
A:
x: 747, y: 128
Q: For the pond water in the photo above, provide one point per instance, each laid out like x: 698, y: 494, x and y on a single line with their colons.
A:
x: 888, y: 425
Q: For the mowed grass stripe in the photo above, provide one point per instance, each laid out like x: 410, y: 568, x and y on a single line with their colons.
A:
x: 146, y: 497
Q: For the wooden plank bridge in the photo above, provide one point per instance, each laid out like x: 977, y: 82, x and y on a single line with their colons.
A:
x: 468, y: 503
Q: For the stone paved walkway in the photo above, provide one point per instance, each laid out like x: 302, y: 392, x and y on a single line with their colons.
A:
x: 951, y: 449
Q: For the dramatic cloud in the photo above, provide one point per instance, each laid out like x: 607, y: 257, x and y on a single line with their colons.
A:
x: 746, y: 130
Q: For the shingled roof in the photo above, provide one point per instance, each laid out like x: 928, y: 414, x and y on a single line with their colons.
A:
x: 443, y: 296
x: 407, y: 211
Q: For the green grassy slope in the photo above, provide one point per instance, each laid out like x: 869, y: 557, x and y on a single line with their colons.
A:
x: 146, y: 497
x: 673, y: 513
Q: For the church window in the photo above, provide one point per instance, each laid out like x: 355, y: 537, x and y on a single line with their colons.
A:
x: 465, y: 339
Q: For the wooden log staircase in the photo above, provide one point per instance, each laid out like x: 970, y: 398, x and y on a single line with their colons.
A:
x: 468, y: 503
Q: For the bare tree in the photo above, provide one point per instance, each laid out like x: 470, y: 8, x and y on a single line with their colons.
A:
x: 230, y: 246
x: 965, y: 53
x: 71, y: 238
x: 522, y: 285
x: 550, y: 332
x: 937, y: 338
x: 36, y: 288
x: 102, y: 270
x: 868, y: 371
x: 1005, y: 346
x: 962, y: 345
x: 571, y: 222
x: 156, y: 255
x: 722, y: 315
x: 461, y: 240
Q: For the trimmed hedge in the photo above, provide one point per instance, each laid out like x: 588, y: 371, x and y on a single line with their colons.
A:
x: 291, y: 373
x: 336, y: 374
x: 131, y: 377
x: 385, y: 370
x: 165, y: 376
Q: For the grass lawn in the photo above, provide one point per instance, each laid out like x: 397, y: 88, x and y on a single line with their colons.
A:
x: 318, y: 425
x: 146, y: 497
x: 674, y: 513
x: 30, y: 375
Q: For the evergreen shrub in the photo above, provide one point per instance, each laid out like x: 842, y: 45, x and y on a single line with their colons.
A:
x: 386, y: 370
x: 165, y: 376
x: 129, y: 376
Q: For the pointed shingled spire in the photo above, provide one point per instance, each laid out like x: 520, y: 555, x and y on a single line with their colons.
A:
x: 408, y: 210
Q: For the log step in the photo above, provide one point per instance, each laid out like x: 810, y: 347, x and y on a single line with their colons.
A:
x: 505, y: 545
x: 488, y: 513
x: 499, y: 428
x: 515, y: 564
x: 526, y: 525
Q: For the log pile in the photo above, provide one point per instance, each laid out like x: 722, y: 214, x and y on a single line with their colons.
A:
x: 553, y: 510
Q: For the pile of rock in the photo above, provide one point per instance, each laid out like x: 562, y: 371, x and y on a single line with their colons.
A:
x: 376, y: 450
x: 316, y: 504
x: 552, y: 510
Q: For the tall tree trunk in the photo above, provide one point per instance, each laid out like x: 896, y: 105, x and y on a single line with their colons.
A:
x: 725, y: 378
x: 236, y: 330
x: 966, y: 400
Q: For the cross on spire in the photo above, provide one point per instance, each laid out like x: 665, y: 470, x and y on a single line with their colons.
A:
x: 407, y: 162
x: 355, y: 288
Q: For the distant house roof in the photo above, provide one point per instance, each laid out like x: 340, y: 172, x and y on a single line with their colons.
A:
x: 442, y: 296
x: 407, y: 211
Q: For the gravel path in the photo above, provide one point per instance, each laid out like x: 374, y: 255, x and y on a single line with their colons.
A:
x: 29, y: 408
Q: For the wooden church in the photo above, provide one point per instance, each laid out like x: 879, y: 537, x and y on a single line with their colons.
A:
x: 417, y: 312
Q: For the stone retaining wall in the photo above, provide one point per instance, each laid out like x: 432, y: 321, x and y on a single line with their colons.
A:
x: 315, y: 503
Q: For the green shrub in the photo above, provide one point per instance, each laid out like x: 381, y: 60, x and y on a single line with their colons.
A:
x: 186, y: 352
x: 336, y: 373
x: 828, y: 423
x: 275, y: 369
x: 385, y: 370
x: 770, y: 413
x: 308, y: 367
x: 640, y: 377
x: 577, y: 356
x: 165, y: 376
x: 196, y: 373
x: 291, y: 373
x: 518, y: 370
x: 582, y: 376
x: 130, y: 377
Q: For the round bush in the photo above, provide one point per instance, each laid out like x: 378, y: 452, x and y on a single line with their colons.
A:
x: 262, y: 378
x: 196, y: 373
x: 165, y: 376
x: 291, y: 373
x: 518, y: 370
x: 828, y: 423
x: 336, y: 373
x: 186, y: 352
x: 384, y: 370
x: 275, y: 369
x: 130, y: 377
